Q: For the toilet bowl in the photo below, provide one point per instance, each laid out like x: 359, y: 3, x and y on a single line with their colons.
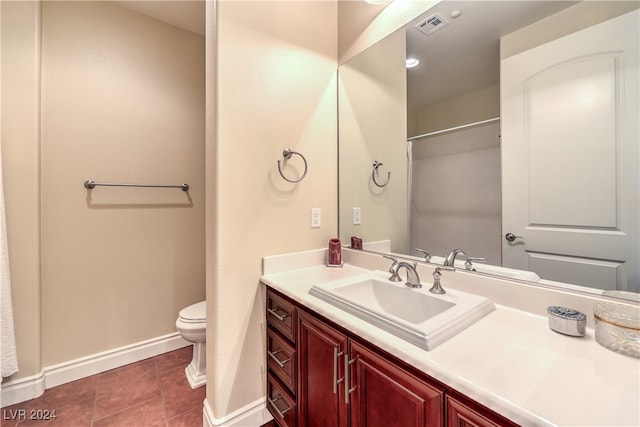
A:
x: 192, y: 325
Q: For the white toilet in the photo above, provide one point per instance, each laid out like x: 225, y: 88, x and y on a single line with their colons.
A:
x: 192, y: 325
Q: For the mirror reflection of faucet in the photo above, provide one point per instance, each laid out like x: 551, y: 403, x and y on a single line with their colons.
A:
x: 427, y: 255
x: 468, y: 265
x: 450, y: 259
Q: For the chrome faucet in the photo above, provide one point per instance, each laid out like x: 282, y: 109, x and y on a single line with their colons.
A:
x: 450, y: 260
x: 413, y: 280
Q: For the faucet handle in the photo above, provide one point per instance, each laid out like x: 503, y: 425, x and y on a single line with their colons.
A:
x: 395, y: 277
x: 427, y: 255
x: 469, y: 266
x: 437, y: 274
x: 394, y: 259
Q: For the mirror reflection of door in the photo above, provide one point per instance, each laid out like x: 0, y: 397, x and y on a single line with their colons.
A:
x: 568, y: 145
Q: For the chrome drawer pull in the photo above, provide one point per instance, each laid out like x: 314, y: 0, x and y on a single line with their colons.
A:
x: 336, y: 381
x: 347, y: 390
x: 276, y: 315
x: 273, y: 404
x: 278, y: 361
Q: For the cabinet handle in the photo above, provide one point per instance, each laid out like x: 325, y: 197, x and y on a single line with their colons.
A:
x: 276, y: 315
x: 272, y: 402
x: 278, y: 361
x: 336, y: 380
x: 347, y: 390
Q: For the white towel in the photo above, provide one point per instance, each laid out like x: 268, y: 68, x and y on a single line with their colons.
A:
x: 8, y: 355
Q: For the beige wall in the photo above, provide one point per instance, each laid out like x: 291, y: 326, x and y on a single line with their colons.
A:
x: 471, y: 107
x: 373, y: 127
x: 21, y: 172
x: 122, y: 101
x: 276, y: 88
x: 570, y: 20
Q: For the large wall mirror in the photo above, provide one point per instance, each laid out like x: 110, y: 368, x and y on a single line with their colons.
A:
x: 515, y: 139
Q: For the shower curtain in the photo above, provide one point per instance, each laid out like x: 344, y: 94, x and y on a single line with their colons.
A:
x: 8, y: 356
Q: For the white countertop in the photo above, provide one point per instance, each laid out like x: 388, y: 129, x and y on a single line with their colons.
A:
x: 509, y: 361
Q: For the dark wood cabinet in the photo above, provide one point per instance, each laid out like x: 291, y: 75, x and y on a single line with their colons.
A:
x: 282, y: 371
x: 320, y: 375
x: 321, y: 349
x: 385, y: 395
x: 340, y: 379
x: 280, y: 402
x: 463, y: 412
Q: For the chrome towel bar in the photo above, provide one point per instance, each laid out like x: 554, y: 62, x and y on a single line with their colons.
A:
x: 91, y: 184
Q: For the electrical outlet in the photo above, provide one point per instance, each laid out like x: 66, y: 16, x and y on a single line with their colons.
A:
x: 315, y: 217
x: 357, y: 216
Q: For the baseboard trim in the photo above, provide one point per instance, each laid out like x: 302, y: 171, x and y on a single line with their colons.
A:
x: 254, y: 414
x: 28, y: 388
x: 22, y: 389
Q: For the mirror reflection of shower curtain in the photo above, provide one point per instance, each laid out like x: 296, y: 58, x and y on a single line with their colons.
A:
x: 8, y: 356
x: 455, y: 192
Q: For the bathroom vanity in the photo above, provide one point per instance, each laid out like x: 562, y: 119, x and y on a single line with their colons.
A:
x: 327, y: 366
x: 321, y: 374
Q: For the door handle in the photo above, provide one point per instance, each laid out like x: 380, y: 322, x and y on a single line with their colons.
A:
x: 336, y: 380
x: 511, y: 237
x: 281, y: 363
x: 280, y: 413
x: 347, y: 378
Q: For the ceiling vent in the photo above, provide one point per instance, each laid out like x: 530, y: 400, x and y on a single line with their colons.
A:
x: 432, y: 24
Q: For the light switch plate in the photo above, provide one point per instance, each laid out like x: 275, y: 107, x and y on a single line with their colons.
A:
x: 315, y: 218
x: 357, y: 216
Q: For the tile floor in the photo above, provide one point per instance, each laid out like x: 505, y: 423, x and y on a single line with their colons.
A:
x: 149, y: 393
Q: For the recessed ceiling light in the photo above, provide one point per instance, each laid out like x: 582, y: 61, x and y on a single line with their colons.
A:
x: 412, y: 62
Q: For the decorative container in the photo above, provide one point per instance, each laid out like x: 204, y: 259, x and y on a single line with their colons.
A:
x: 356, y: 242
x: 618, y: 327
x: 567, y: 321
x: 334, y: 254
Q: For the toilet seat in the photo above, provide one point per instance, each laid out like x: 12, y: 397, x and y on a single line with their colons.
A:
x: 195, y: 313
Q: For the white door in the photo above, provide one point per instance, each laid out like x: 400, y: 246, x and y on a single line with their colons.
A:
x: 570, y: 157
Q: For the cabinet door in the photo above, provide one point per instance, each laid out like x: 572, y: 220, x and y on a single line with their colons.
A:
x: 320, y: 374
x: 385, y: 395
x: 471, y: 414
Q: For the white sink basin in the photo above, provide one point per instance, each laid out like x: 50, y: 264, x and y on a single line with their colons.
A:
x: 415, y: 315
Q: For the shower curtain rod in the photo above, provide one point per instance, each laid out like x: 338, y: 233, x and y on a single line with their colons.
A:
x: 438, y: 132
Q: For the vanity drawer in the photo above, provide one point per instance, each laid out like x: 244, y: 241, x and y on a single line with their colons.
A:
x: 281, y: 315
x: 281, y: 359
x: 280, y: 403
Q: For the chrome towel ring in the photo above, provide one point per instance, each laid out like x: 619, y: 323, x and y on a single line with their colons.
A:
x: 376, y: 165
x: 287, y: 153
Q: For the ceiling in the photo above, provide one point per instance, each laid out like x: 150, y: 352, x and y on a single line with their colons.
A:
x: 185, y: 14
x: 459, y: 58
x: 464, y: 55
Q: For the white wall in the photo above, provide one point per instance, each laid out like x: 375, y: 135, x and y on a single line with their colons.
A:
x: 272, y: 73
